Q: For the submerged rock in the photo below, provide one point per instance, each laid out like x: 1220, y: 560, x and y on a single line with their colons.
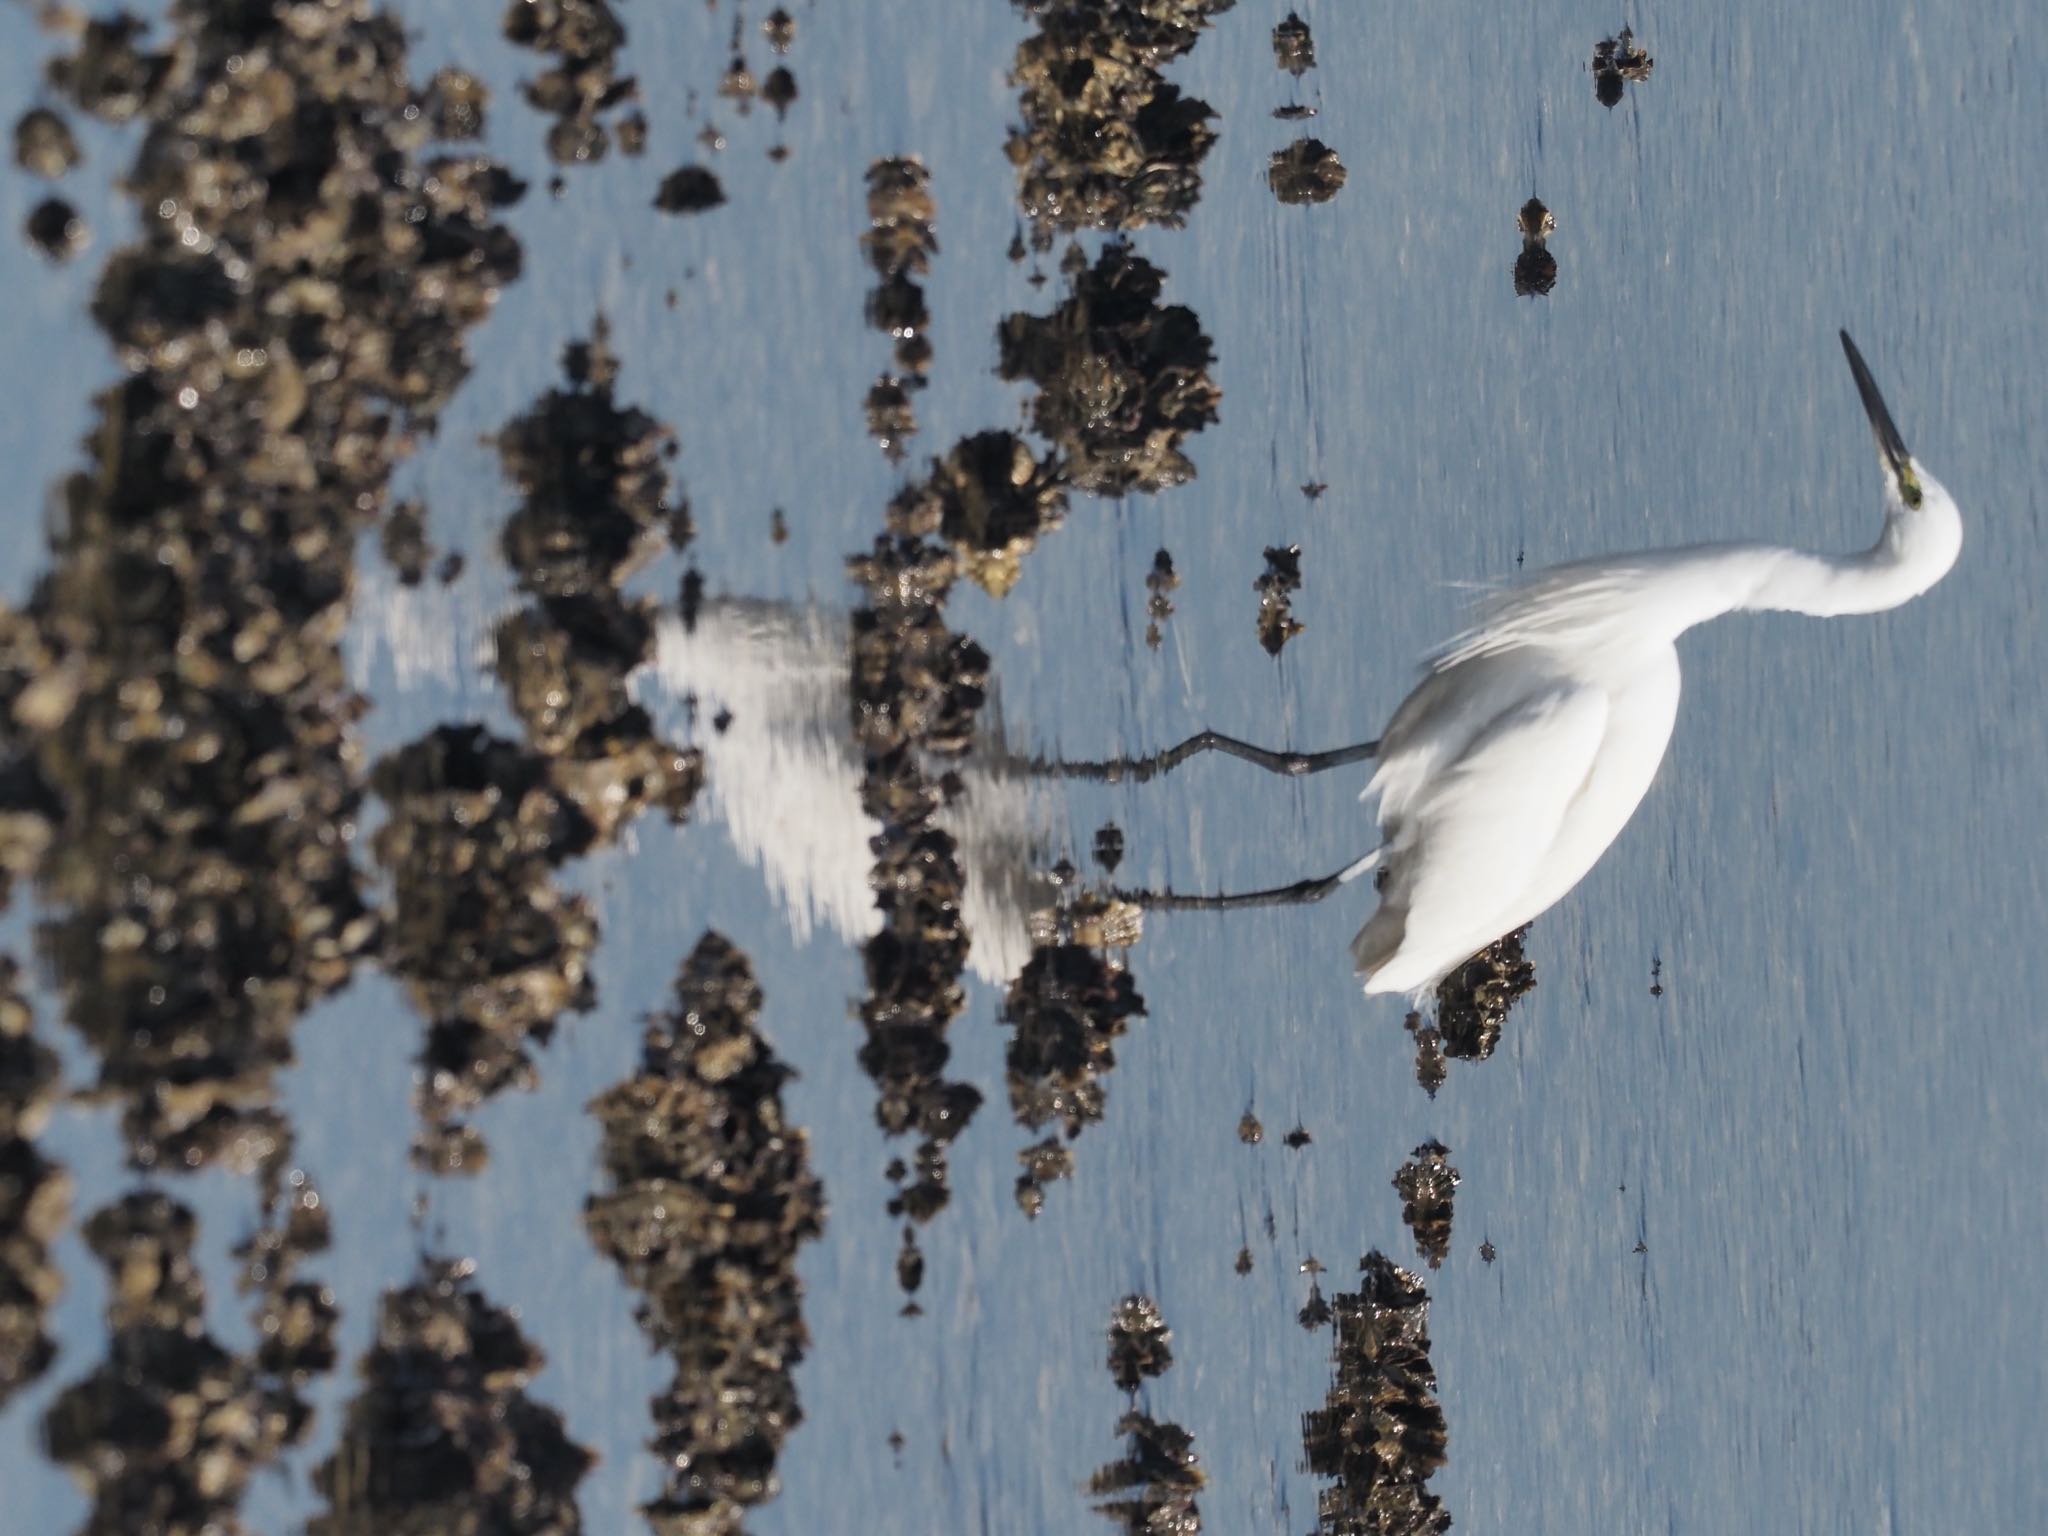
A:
x: 1122, y: 379
x: 1380, y: 1433
x: 442, y: 1436
x: 1306, y: 171
x: 1472, y: 1002
x: 1427, y: 1184
x: 1276, y: 587
x: 710, y: 1196
x: 1106, y: 141
x: 1535, y: 268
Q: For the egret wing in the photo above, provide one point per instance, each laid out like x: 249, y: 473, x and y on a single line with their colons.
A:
x: 1476, y: 836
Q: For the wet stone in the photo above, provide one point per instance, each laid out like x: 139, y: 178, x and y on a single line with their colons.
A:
x: 35, y: 1193
x: 899, y: 244
x: 1294, y: 112
x: 1297, y: 1138
x: 584, y: 38
x: 1249, y: 1130
x: 1427, y: 1184
x: 1161, y: 582
x: 1122, y: 379
x: 1380, y: 1434
x: 168, y: 1432
x: 55, y: 228
x: 1472, y: 1002
x: 780, y: 28
x: 779, y: 91
x: 491, y: 951
x: 43, y: 144
x: 1244, y: 1261
x: 1106, y: 142
x: 690, y: 189
x: 403, y: 539
x: 1306, y: 171
x: 182, y: 777
x: 989, y: 499
x: 1066, y: 1009
x: 709, y: 1196
x: 1618, y: 63
x: 455, y: 103
x: 1150, y: 1490
x: 1535, y: 268
x: 1140, y: 1343
x: 1430, y: 1066
x: 442, y: 1435
x: 1109, y: 847
x: 1294, y: 50
x: 110, y: 73
x: 1276, y: 587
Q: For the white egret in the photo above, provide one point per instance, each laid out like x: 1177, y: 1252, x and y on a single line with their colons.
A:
x: 1533, y: 735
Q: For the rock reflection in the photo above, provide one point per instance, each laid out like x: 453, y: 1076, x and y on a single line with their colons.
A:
x: 1067, y: 1008
x: 1152, y: 1486
x: 1107, y: 142
x: 711, y: 1195
x: 1380, y: 1433
x: 442, y: 1436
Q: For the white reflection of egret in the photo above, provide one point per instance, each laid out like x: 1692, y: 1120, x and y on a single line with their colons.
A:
x: 1533, y: 736
x: 783, y: 777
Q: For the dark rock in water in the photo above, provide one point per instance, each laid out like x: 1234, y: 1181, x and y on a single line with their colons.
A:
x: 1380, y: 1434
x: 990, y: 499
x: 1427, y: 1184
x: 490, y: 949
x: 710, y: 1196
x: 899, y: 244
x: 403, y: 539
x: 1276, y: 589
x: 1249, y: 1130
x: 779, y: 90
x: 1140, y: 1343
x: 691, y: 189
x: 43, y: 145
x: 1244, y: 1261
x: 1150, y: 1490
x: 177, y: 762
x: 1472, y: 1002
x: 55, y: 228
x: 1294, y: 112
x: 1067, y: 1008
x: 1160, y: 582
x: 110, y: 74
x: 1109, y: 847
x: 1535, y: 268
x: 1618, y: 62
x: 1297, y: 1138
x: 1430, y: 1069
x: 1106, y: 142
x: 1122, y: 379
x: 584, y: 37
x: 442, y: 1436
x: 780, y: 28
x: 1306, y: 171
x: 1294, y: 50
x: 169, y: 1431
x: 35, y: 1193
x: 455, y: 103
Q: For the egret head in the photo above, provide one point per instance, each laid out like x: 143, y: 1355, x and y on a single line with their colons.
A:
x: 1922, y: 524
x: 1900, y: 470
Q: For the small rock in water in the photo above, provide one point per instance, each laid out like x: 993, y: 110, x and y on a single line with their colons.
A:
x: 1306, y: 171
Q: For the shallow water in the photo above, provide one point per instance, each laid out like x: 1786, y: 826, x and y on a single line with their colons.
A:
x: 1767, y: 1241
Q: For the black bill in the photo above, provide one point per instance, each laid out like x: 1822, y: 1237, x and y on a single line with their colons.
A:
x: 1889, y: 443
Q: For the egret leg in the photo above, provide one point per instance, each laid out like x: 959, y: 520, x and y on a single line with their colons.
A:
x: 1298, y: 894
x: 1115, y: 770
